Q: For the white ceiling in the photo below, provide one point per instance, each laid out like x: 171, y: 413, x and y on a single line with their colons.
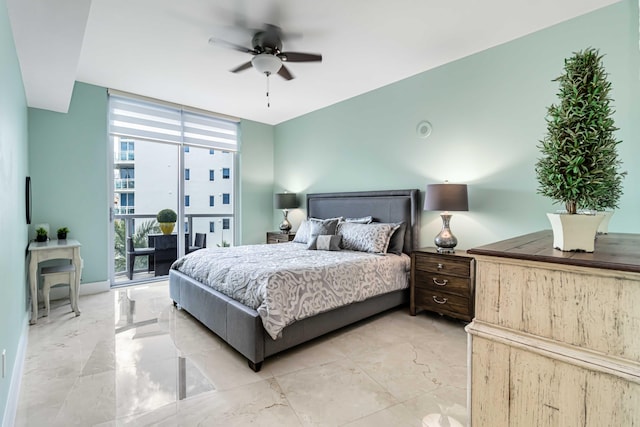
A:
x: 160, y: 49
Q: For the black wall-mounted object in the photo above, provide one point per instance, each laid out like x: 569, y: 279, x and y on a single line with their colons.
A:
x: 27, y: 199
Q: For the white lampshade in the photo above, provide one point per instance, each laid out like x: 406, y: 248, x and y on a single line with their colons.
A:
x: 266, y: 63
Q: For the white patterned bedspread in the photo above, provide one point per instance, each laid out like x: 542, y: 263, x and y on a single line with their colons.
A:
x: 286, y: 282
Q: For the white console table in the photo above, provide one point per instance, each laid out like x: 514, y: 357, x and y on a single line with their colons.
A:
x: 53, y: 249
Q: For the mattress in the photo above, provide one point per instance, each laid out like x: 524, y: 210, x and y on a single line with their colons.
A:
x: 287, y: 282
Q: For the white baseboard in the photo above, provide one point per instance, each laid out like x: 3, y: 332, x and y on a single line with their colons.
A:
x: 11, y: 408
x: 61, y: 292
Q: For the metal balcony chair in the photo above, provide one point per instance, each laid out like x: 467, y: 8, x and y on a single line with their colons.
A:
x: 132, y: 253
x: 200, y: 242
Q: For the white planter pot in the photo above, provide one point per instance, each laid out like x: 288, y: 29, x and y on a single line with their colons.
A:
x: 603, y: 228
x: 574, y: 232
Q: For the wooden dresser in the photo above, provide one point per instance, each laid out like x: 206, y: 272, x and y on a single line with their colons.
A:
x: 556, y: 335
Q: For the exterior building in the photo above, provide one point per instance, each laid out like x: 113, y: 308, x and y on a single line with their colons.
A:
x: 146, y: 181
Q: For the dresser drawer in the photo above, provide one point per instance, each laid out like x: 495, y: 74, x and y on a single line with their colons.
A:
x: 442, y: 264
x: 443, y: 283
x: 445, y: 303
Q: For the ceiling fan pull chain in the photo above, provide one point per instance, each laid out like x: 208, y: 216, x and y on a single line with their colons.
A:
x: 268, y: 102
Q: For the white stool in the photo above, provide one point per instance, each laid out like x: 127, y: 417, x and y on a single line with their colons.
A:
x: 56, y: 275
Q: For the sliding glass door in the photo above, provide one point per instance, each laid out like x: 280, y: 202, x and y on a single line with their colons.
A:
x: 209, y: 196
x: 168, y: 157
x: 145, y: 181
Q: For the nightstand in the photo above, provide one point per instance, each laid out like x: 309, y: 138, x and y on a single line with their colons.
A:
x: 278, y: 237
x: 444, y: 283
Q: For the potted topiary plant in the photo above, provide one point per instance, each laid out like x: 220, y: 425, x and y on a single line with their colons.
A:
x: 167, y: 219
x: 579, y: 163
x: 62, y: 233
x: 41, y: 234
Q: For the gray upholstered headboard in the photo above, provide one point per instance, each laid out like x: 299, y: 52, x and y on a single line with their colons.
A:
x: 383, y: 206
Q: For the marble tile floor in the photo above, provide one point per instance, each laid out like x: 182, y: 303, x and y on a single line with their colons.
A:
x: 132, y: 359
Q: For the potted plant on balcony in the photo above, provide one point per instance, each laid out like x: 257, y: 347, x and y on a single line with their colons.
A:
x: 167, y: 219
x: 579, y: 166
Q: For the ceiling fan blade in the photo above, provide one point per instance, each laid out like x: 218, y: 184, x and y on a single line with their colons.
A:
x: 300, y: 57
x: 242, y: 67
x: 214, y: 40
x: 285, y: 73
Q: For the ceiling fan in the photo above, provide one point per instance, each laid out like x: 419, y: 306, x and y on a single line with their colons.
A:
x: 268, y: 57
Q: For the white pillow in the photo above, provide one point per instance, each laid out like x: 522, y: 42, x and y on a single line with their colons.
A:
x: 302, y: 235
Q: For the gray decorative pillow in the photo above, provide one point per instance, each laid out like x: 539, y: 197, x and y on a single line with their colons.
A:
x: 303, y: 235
x: 325, y: 243
x: 361, y: 220
x: 396, y: 243
x: 319, y: 227
x: 373, y: 238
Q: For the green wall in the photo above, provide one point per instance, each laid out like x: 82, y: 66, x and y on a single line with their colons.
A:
x: 13, y: 170
x: 487, y: 112
x: 68, y: 160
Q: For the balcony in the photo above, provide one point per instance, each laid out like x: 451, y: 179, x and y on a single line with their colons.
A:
x: 139, y: 227
x: 124, y: 183
x: 124, y: 156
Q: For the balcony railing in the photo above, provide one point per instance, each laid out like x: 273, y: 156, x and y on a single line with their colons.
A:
x: 124, y: 210
x: 124, y: 183
x: 138, y: 227
x: 124, y: 156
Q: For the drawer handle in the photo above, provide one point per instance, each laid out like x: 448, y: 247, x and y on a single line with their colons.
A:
x: 439, y: 301
x: 440, y: 266
x: 443, y: 283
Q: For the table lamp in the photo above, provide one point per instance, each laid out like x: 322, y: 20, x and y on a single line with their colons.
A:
x: 285, y: 201
x: 446, y: 197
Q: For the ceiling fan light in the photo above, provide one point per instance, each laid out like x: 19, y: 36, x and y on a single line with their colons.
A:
x: 266, y: 63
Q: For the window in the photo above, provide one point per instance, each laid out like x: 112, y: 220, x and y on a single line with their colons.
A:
x: 127, y: 173
x: 180, y: 128
x: 126, y: 150
x: 186, y: 227
x: 212, y: 227
x: 125, y: 179
x: 225, y: 173
x: 127, y: 204
x: 212, y: 200
x: 225, y: 223
x: 225, y: 198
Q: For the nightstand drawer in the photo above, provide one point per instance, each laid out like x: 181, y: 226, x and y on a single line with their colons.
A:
x: 277, y: 237
x: 441, y: 302
x: 443, y: 283
x: 443, y: 264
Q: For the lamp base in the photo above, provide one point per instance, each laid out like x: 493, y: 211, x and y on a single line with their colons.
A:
x: 446, y: 250
x: 285, y: 225
x: 445, y: 241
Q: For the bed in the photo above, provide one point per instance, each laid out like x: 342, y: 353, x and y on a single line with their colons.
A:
x: 241, y: 325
